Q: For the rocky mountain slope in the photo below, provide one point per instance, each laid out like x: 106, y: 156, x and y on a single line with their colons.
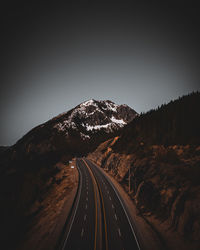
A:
x: 164, y: 169
x: 69, y: 132
x: 35, y: 174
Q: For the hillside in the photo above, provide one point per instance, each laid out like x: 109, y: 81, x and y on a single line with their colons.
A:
x: 177, y: 123
x: 35, y: 175
x: 91, y: 121
x: 160, y: 153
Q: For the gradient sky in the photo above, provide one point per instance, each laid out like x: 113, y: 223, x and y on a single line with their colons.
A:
x: 57, y: 56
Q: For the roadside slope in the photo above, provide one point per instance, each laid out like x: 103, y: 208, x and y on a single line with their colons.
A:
x: 164, y: 185
x: 156, y: 159
x: 48, y: 221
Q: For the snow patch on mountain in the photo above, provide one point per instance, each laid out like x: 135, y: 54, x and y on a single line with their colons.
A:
x: 62, y: 127
x: 118, y: 121
x: 88, y: 103
x: 65, y: 125
x: 97, y: 127
x: 92, y: 115
x: 84, y: 136
x: 111, y: 106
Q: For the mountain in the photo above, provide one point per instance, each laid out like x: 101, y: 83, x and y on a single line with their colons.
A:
x: 160, y: 154
x: 177, y: 122
x: 93, y: 116
x: 91, y: 121
x: 35, y: 177
x: 157, y: 151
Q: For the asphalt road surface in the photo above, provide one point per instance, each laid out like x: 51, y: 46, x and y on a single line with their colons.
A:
x: 99, y: 218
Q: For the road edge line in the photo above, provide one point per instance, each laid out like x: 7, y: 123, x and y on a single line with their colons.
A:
x: 77, y: 199
x: 124, y: 208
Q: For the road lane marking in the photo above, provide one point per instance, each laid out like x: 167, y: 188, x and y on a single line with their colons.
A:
x: 95, y: 198
x: 105, y: 223
x: 85, y: 216
x: 115, y: 217
x: 86, y: 206
x: 113, y: 206
x: 127, y: 216
x: 86, y: 198
x: 119, y: 232
x: 97, y: 187
x: 109, y: 197
x: 82, y: 232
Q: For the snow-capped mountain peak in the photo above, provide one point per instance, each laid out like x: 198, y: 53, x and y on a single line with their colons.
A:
x: 93, y: 116
x: 88, y: 103
x: 80, y: 130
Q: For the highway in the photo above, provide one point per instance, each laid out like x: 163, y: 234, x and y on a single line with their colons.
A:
x: 99, y: 218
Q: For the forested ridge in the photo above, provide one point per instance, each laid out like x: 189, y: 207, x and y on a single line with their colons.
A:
x: 177, y: 122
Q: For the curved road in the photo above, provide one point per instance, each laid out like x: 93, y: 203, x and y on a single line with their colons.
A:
x: 99, y: 217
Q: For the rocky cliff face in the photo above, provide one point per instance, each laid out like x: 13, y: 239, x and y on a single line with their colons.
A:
x: 164, y: 183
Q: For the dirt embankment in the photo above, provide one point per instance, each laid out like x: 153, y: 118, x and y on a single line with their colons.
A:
x: 52, y: 211
x: 35, y: 200
x: 164, y: 184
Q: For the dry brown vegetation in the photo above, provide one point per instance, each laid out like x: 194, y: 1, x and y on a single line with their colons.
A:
x: 164, y: 184
x: 33, y: 193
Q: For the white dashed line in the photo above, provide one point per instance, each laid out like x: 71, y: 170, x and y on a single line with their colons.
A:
x: 82, y: 231
x: 86, y: 206
x: 85, y: 216
x: 109, y: 197
x: 86, y: 198
x: 113, y: 206
x: 115, y: 217
x: 119, y: 232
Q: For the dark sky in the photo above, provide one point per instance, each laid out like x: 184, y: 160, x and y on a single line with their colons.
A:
x: 54, y: 56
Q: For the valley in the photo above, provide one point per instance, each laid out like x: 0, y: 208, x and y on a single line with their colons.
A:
x: 153, y: 158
